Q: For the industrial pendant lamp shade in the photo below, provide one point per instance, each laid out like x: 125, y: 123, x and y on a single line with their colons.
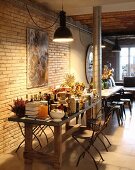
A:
x: 63, y: 34
x: 116, y: 47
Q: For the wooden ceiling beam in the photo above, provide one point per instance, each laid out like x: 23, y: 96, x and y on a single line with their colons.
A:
x: 113, y: 23
x: 118, y: 33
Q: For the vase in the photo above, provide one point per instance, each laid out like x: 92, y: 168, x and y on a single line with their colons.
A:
x: 109, y: 83
x: 106, y: 84
x: 19, y: 111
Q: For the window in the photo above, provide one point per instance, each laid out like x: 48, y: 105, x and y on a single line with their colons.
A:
x: 127, y: 62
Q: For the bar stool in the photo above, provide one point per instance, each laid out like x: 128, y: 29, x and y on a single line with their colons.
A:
x: 122, y: 107
x: 129, y: 103
x: 117, y: 110
x: 127, y: 95
x: 115, y: 100
x: 127, y: 98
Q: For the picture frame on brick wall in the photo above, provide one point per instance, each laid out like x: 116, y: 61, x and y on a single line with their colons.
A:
x: 37, y: 58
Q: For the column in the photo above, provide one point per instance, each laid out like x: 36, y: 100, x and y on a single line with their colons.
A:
x: 97, y: 56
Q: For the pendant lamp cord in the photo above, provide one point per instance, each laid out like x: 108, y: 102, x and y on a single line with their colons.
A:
x: 62, y: 5
x: 37, y: 24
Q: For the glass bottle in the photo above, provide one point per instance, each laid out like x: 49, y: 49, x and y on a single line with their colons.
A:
x: 31, y: 98
x: 27, y: 100
x: 39, y: 96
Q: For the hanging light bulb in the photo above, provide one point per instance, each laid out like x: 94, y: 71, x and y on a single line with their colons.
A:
x: 116, y: 47
x: 62, y: 33
x: 102, y: 45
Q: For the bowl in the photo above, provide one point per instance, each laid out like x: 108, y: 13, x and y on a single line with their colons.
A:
x: 57, y: 114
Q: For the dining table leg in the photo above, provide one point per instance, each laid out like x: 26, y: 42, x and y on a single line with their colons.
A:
x: 58, y: 146
x: 28, y: 147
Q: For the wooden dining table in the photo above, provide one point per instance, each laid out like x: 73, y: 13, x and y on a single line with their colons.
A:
x: 55, y: 158
x: 106, y: 93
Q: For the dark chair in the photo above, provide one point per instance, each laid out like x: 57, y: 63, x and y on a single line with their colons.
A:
x: 100, y: 119
x: 119, y: 108
x: 90, y: 135
x: 127, y: 98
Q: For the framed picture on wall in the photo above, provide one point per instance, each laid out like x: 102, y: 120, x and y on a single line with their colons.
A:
x: 37, y: 58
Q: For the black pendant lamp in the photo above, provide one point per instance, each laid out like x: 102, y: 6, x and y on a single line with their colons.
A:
x: 116, y: 47
x: 62, y: 33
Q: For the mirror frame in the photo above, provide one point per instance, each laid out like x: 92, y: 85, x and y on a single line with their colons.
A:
x: 89, y: 63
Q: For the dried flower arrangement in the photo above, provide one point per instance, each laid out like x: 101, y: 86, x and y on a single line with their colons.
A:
x: 18, y: 107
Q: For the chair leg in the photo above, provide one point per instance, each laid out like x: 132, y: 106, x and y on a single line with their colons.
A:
x: 118, y: 116
x: 85, y: 150
x: 98, y: 152
x: 103, y: 143
x: 106, y: 138
x: 121, y: 112
x: 81, y: 155
x: 130, y: 108
x: 124, y: 110
x: 92, y: 159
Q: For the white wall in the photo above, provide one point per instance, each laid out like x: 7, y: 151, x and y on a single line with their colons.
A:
x: 78, y: 53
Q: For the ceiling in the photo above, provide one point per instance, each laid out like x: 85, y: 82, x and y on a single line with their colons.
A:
x: 118, y: 16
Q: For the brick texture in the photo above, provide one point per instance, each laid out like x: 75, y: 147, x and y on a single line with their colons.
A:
x: 14, y: 20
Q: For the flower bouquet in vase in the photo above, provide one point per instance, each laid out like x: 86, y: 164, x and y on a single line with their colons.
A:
x: 18, y: 107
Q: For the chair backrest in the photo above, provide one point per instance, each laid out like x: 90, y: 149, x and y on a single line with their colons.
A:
x: 99, y: 113
x: 106, y: 120
x: 98, y: 131
x: 98, y: 127
x: 102, y: 124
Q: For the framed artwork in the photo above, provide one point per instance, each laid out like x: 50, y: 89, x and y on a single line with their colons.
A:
x: 37, y: 58
x: 89, y: 63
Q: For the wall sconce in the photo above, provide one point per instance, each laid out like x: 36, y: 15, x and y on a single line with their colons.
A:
x: 116, y: 47
x: 62, y: 33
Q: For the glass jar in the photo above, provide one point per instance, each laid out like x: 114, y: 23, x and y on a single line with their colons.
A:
x: 43, y: 110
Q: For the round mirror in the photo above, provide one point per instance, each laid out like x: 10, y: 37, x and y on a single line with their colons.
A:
x: 89, y: 63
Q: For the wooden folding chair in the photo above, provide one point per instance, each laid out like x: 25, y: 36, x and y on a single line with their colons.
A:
x: 90, y: 136
x: 101, y: 121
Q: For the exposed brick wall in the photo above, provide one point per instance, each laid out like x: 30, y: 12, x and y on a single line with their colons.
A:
x: 13, y: 23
